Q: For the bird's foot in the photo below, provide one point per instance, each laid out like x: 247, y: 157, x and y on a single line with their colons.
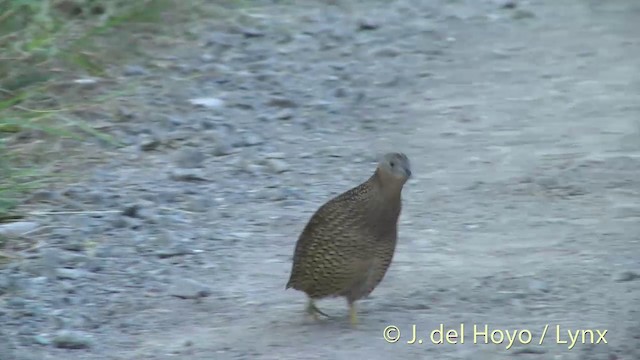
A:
x: 313, y: 310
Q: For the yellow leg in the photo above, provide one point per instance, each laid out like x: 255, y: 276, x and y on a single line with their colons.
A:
x: 313, y: 310
x: 353, y: 318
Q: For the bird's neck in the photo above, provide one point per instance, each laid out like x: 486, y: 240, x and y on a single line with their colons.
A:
x: 389, y: 187
x: 390, y: 191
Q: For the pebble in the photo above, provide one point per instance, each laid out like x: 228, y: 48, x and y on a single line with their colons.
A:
x: 188, y: 289
x: 277, y: 166
x: 538, y: 286
x: 284, y: 114
x: 104, y: 251
x: 206, y: 58
x: 17, y: 228
x: 5, y: 284
x: 178, y: 249
x: 275, y: 155
x: 41, y: 340
x: 529, y: 350
x: 252, y: 33
x: 187, y: 175
x: 139, y: 210
x: 189, y: 158
x: 149, y: 143
x: 94, y: 264
x: 282, y: 103
x: 50, y: 258
x: 367, y: 24
x: 135, y: 70
x: 66, y: 339
x: 252, y: 139
x: 44, y: 195
x: 201, y: 204
x: 208, y: 102
x: 69, y: 274
x: 625, y: 276
x: 223, y: 146
x: 121, y: 222
x: 73, y: 245
x: 507, y: 4
x: 523, y: 14
x: 387, y: 52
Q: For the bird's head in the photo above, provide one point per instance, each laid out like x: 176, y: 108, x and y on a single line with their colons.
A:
x: 394, y: 167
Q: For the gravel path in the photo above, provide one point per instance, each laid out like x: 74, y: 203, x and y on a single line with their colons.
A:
x: 522, y: 124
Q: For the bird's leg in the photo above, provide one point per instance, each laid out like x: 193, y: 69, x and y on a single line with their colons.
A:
x: 313, y: 310
x: 353, y: 318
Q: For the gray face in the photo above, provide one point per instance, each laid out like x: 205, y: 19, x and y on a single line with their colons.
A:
x: 396, y: 165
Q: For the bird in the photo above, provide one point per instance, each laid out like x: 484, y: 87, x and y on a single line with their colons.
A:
x: 348, y: 244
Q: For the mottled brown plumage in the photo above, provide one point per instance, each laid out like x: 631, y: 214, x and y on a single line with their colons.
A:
x: 348, y: 244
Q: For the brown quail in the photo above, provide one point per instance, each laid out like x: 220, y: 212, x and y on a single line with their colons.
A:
x: 348, y: 244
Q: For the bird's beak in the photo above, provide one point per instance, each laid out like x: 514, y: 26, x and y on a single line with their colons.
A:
x: 408, y: 172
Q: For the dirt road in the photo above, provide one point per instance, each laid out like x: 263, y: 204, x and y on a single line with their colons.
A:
x: 523, y: 127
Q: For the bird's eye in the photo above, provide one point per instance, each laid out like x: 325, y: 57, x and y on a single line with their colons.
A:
x: 392, y: 164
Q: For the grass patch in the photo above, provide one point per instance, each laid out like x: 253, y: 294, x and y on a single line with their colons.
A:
x: 56, y: 78
x: 51, y: 53
x: 55, y: 84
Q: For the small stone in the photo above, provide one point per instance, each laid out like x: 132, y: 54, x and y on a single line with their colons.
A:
x: 367, y: 24
x: 529, y: 350
x: 66, y: 339
x: 285, y: 114
x: 187, y: 175
x: 149, y: 143
x: 121, y: 222
x: 252, y: 139
x: 252, y: 33
x: 282, y: 103
x: 69, y: 274
x: 17, y: 228
x: 17, y: 302
x: 277, y: 166
x: 5, y: 285
x: 201, y: 204
x: 387, y: 52
x: 538, y: 286
x: 507, y: 4
x: 131, y: 210
x: 73, y: 245
x: 104, y: 251
x: 41, y: 340
x: 523, y: 14
x: 188, y: 289
x: 340, y: 92
x: 275, y: 155
x: 44, y: 195
x: 94, y: 264
x: 223, y: 143
x: 50, y: 259
x: 222, y: 148
x: 87, y: 81
x: 178, y: 249
x: 208, y: 102
x: 189, y: 158
x: 135, y: 70
x: 206, y: 58
x: 625, y: 276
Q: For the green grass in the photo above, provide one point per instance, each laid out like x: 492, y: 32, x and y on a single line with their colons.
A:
x: 44, y: 46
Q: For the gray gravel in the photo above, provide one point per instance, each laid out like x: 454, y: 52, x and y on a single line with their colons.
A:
x: 522, y: 120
